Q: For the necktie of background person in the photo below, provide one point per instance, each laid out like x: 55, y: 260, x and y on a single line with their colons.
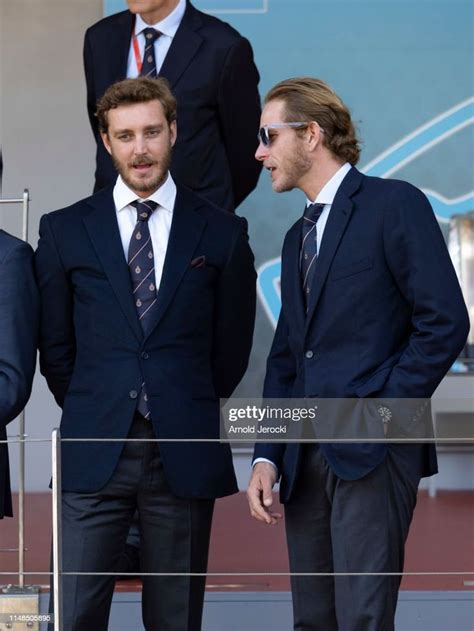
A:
x: 141, y: 264
x: 149, y: 61
x: 309, y: 251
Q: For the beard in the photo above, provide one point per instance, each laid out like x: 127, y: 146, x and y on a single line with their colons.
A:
x: 291, y: 171
x: 137, y: 184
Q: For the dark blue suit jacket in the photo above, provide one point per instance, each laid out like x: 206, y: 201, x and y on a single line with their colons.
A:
x: 95, y: 356
x: 212, y: 74
x: 386, y: 317
x: 19, y: 318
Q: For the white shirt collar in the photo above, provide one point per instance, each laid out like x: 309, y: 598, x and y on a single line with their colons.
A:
x: 168, y: 26
x: 165, y: 196
x: 327, y: 194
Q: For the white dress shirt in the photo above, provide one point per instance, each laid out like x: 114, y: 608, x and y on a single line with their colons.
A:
x: 325, y: 196
x: 159, y: 222
x: 167, y: 27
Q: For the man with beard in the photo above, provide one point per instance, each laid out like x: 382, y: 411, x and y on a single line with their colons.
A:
x: 148, y: 295
x: 371, y: 307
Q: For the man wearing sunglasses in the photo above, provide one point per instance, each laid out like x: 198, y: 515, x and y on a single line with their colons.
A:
x: 371, y: 308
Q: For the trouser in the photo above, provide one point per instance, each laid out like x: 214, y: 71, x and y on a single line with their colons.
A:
x: 344, y: 527
x: 174, y: 535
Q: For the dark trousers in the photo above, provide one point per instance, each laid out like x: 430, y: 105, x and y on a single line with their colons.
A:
x: 340, y: 526
x: 174, y: 539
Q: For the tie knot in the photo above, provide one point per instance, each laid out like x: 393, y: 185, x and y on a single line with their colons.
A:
x: 144, y: 209
x: 313, y: 212
x: 151, y: 35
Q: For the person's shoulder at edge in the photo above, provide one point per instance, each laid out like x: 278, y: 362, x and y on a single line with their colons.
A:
x: 10, y: 244
x: 216, y: 25
x: 110, y: 21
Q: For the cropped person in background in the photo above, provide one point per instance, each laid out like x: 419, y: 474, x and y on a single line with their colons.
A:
x: 19, y: 320
x: 212, y: 74
x: 371, y: 307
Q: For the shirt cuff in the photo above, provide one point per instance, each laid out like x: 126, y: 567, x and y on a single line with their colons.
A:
x: 264, y: 460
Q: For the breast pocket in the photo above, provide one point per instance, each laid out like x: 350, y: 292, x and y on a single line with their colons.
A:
x: 350, y: 269
x: 198, y: 277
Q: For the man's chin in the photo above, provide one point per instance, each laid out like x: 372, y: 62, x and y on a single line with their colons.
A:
x: 144, y: 185
x: 281, y: 187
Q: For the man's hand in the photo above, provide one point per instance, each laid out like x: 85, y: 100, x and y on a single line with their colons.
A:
x: 259, y: 493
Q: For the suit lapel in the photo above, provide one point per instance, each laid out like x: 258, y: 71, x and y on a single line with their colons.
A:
x: 291, y: 276
x: 118, y: 45
x: 185, y: 233
x: 102, y: 227
x: 338, y: 219
x: 184, y: 46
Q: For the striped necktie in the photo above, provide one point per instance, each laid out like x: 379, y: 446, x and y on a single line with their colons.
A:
x: 149, y: 61
x: 141, y: 264
x: 309, y: 248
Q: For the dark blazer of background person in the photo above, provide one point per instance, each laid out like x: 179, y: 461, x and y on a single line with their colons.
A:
x: 95, y: 356
x: 212, y: 74
x: 19, y: 317
x: 386, y: 319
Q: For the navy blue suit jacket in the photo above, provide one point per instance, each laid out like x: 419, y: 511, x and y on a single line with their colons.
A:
x: 386, y: 317
x: 211, y: 71
x: 95, y: 356
x: 19, y: 318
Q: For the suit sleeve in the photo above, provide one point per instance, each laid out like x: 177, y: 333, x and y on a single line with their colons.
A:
x: 234, y: 316
x: 19, y: 317
x: 239, y: 116
x: 56, y: 340
x: 91, y: 95
x: 279, y: 379
x: 421, y: 266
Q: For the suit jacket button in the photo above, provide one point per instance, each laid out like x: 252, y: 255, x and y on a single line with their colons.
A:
x: 309, y: 354
x: 133, y: 394
x: 145, y: 355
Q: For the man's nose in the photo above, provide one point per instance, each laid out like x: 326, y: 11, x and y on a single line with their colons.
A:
x: 139, y: 145
x: 262, y: 152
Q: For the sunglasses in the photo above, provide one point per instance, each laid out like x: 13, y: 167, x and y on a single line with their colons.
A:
x: 264, y: 137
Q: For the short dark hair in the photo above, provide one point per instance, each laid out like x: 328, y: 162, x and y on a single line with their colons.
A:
x: 307, y: 99
x: 139, y: 90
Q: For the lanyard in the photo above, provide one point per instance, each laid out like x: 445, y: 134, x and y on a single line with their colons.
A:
x: 136, y: 50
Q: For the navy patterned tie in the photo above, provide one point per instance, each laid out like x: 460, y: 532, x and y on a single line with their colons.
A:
x: 149, y: 61
x: 141, y: 263
x: 309, y: 251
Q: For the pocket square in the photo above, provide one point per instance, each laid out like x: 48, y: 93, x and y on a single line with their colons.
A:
x: 199, y: 261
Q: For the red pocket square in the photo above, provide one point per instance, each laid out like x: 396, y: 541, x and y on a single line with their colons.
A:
x: 199, y: 261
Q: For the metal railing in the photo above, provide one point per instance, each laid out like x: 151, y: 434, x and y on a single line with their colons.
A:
x: 57, y: 572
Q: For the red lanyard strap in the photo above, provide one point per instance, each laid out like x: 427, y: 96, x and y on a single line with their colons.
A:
x: 136, y: 50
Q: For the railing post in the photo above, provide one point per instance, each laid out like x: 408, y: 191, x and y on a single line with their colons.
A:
x: 57, y: 531
x: 22, y: 426
x: 21, y: 502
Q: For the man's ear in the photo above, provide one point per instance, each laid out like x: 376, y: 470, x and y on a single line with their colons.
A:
x: 315, y: 134
x: 105, y: 140
x: 173, y: 132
